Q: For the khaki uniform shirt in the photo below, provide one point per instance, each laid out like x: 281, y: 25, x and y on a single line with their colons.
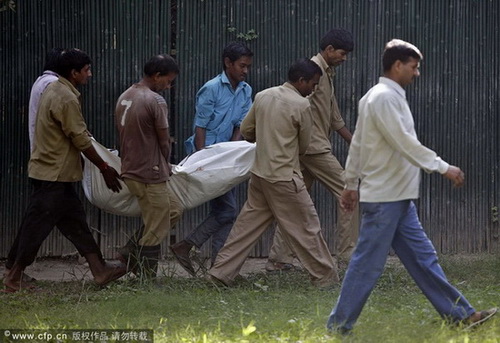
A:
x: 60, y: 135
x: 280, y: 123
x: 325, y: 110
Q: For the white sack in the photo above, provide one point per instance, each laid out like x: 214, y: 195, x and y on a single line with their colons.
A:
x: 99, y: 195
x: 200, y: 177
x: 211, y: 172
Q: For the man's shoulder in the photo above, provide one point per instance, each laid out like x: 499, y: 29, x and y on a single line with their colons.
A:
x: 60, y: 90
x: 285, y: 94
x: 320, y: 61
x: 45, y: 79
x: 382, y: 90
x: 216, y: 81
x: 378, y: 94
x: 143, y: 94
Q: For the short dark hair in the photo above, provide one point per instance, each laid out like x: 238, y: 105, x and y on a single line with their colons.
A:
x: 339, y: 39
x: 234, y: 51
x: 303, y: 68
x: 52, y: 59
x: 163, y: 64
x: 72, y: 59
x: 397, y: 49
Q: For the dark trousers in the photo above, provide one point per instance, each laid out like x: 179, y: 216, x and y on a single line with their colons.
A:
x: 51, y: 204
x: 218, y: 224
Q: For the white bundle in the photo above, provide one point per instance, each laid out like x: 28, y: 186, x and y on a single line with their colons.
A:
x: 200, y: 177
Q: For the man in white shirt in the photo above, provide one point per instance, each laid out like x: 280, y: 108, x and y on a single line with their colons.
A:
x: 385, y: 158
x: 49, y: 75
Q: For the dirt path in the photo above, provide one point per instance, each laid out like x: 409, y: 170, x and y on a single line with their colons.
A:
x: 72, y: 270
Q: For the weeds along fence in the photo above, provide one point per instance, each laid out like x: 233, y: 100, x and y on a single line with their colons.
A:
x: 455, y: 102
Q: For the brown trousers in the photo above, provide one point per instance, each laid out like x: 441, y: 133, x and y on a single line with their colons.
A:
x: 326, y: 169
x: 161, y: 210
x: 289, y: 203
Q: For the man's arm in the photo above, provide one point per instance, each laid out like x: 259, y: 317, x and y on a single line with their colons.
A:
x: 109, y: 174
x: 199, y: 137
x: 456, y: 175
x: 236, y: 134
x: 349, y: 199
x: 247, y: 128
x: 305, y: 130
x: 393, y: 123
x: 165, y: 145
x: 346, y: 134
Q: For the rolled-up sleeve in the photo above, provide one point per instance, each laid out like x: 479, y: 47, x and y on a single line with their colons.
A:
x: 205, y: 104
x: 73, y: 125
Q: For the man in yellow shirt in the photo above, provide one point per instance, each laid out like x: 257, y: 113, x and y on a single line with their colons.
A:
x: 318, y: 163
x: 280, y: 123
x: 54, y: 169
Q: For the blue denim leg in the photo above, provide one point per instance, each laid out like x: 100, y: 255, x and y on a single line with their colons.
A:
x: 218, y: 224
x: 419, y: 257
x: 379, y: 222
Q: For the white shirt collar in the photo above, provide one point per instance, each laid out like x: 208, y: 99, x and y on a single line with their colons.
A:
x: 393, y: 84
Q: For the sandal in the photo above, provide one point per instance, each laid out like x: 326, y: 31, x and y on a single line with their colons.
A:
x: 184, y: 261
x: 279, y: 267
x: 484, y: 316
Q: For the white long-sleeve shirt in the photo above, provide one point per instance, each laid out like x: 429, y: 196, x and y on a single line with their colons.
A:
x: 37, y: 89
x: 385, y: 153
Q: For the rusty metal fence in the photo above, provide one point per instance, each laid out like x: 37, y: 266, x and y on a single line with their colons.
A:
x: 455, y: 101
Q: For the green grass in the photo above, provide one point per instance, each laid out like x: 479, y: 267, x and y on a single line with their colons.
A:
x: 263, y: 308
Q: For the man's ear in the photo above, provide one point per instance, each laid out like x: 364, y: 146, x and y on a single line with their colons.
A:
x: 72, y: 74
x: 227, y: 62
x: 398, y: 65
x: 330, y: 48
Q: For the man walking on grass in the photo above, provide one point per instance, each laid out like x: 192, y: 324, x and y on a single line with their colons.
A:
x: 141, y: 117
x: 221, y: 105
x: 280, y: 124
x: 318, y: 162
x: 55, y: 168
x: 384, y: 163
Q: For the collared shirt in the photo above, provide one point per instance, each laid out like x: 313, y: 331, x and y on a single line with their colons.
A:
x: 385, y: 153
x: 60, y: 135
x: 139, y: 112
x: 37, y: 89
x: 325, y: 110
x: 280, y: 123
x: 220, y: 109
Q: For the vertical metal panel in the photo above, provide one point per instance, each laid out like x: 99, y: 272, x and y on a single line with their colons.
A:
x: 455, y: 101
x: 119, y: 36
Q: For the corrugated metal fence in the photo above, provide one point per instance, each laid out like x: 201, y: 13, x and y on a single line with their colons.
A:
x: 455, y: 102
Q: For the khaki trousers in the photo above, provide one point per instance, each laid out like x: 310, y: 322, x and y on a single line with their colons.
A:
x: 154, y: 201
x: 326, y: 169
x: 289, y: 203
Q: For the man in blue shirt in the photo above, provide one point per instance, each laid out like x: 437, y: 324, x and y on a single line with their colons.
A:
x: 221, y: 105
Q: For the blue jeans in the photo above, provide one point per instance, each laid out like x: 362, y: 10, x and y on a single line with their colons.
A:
x: 394, y: 224
x: 218, y: 224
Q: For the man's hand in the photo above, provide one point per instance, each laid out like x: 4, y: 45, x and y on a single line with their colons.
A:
x: 456, y: 175
x: 112, y: 178
x: 348, y: 200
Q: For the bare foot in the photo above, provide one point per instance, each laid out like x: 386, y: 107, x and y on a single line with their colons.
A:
x: 110, y: 273
x: 13, y: 285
